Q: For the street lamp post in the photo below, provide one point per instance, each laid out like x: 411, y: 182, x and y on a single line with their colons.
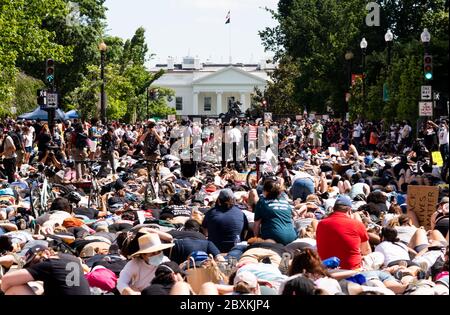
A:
x: 148, y: 91
x: 388, y: 37
x: 363, y: 46
x: 425, y: 38
x: 102, y: 47
x: 348, y: 57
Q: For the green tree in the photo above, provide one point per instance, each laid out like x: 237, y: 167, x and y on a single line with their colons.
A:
x: 25, y: 93
x: 317, y: 35
x: 280, y: 92
x: 22, y: 38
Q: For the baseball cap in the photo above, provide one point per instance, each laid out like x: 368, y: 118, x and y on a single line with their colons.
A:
x: 32, y: 252
x: 167, y: 268
x: 247, y: 277
x: 343, y: 201
x: 444, y: 200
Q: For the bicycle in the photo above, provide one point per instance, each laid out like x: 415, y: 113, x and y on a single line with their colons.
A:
x: 153, y: 188
x: 42, y: 193
x: 256, y: 171
x: 94, y: 196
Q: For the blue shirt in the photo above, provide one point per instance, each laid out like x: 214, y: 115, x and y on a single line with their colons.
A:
x: 183, y: 248
x: 225, y: 226
x: 276, y: 220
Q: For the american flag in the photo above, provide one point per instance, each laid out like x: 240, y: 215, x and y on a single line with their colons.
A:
x: 228, y: 18
x: 252, y: 133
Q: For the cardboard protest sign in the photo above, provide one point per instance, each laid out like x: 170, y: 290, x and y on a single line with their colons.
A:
x: 333, y: 151
x: 437, y: 158
x: 423, y: 201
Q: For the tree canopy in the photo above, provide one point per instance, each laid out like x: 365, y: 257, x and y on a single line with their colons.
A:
x: 70, y: 32
x: 316, y: 35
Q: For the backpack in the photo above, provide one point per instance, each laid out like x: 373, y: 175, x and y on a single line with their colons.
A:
x: 151, y: 144
x: 81, y: 141
x: 17, y: 143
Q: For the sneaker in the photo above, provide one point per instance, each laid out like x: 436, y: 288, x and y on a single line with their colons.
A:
x: 284, y: 264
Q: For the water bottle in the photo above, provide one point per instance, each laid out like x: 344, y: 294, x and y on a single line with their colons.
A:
x: 237, y: 240
x: 332, y: 262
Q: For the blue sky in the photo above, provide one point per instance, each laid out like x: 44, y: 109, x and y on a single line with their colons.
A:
x: 178, y: 27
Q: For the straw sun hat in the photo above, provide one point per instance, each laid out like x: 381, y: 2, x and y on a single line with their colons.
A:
x: 150, y: 243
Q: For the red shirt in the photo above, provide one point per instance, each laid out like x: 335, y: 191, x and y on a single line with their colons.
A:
x: 340, y: 236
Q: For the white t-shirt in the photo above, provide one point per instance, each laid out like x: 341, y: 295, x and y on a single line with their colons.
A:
x: 392, y: 251
x: 357, y: 131
x: 405, y: 233
x: 443, y: 135
x: 28, y: 139
x: 233, y: 136
x: 137, y: 275
x: 328, y: 284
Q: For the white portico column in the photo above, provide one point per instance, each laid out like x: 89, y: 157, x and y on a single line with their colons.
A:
x: 243, y: 107
x: 219, y: 103
x: 195, y: 104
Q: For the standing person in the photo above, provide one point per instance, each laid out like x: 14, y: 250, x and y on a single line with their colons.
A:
x: 61, y: 274
x: 109, y: 142
x: 43, y: 140
x: 405, y: 134
x: 79, y: 149
x: 8, y: 151
x: 273, y: 215
x: 317, y: 130
x: 374, y: 138
x: 225, y: 223
x: 443, y: 144
x: 28, y: 143
x: 357, y: 129
x: 17, y: 137
x: 234, y: 137
x: 152, y: 141
x: 341, y: 236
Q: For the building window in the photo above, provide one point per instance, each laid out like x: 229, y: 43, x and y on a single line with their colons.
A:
x: 179, y: 103
x: 207, y: 106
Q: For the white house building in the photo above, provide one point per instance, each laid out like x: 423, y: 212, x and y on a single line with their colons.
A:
x: 206, y: 89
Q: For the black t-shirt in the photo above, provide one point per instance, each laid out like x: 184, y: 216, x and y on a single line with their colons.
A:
x: 187, y: 234
x: 178, y: 211
x: 157, y: 289
x: 43, y: 140
x: 55, y: 274
x: 91, y: 213
x: 120, y: 227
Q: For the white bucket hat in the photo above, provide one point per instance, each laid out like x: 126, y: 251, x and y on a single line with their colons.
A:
x: 150, y: 243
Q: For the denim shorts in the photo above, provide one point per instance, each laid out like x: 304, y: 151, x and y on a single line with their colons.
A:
x: 377, y: 274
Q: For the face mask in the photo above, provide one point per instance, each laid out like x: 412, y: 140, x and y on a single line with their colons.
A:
x: 156, y: 260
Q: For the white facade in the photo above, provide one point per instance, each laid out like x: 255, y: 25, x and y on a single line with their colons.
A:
x: 204, y: 89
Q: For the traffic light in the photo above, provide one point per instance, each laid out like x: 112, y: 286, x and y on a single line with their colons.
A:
x: 428, y: 67
x: 50, y: 72
x: 264, y: 102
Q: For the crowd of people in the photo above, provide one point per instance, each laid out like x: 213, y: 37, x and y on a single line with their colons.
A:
x: 334, y: 221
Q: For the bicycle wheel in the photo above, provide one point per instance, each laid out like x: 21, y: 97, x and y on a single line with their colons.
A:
x: 35, y: 195
x: 251, y: 176
x: 61, y: 189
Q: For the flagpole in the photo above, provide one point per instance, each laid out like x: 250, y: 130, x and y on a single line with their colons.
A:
x: 229, y: 44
